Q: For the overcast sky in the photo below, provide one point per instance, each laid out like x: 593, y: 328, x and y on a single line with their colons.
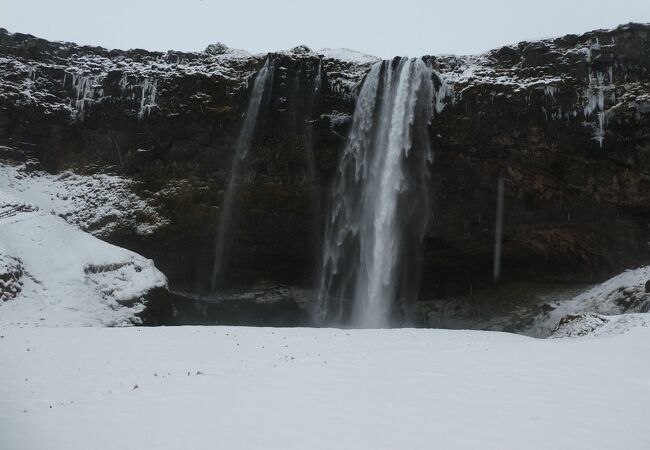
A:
x: 384, y: 28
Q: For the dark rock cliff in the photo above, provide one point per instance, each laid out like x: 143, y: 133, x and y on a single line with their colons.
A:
x: 565, y: 122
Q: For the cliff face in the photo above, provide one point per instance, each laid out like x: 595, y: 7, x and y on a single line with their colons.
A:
x: 565, y: 123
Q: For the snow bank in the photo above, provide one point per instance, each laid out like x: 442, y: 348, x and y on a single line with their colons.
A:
x: 593, y: 325
x: 250, y: 388
x: 67, y: 277
x: 622, y: 294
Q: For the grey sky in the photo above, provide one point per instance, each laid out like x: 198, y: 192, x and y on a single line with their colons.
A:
x: 381, y: 27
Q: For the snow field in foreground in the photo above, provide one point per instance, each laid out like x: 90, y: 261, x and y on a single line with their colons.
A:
x: 247, y: 388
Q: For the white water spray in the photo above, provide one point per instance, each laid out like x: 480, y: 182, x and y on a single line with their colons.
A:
x: 381, y: 201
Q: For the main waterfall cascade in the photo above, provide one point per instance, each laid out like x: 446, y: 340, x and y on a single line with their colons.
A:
x: 263, y: 82
x: 381, y: 203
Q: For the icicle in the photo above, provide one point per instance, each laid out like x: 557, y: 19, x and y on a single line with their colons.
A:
x: 551, y: 91
x: 148, y: 100
x: 443, y: 92
x: 595, y: 95
x: 83, y: 89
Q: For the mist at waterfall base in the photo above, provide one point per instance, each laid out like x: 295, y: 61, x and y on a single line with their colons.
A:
x: 380, y: 205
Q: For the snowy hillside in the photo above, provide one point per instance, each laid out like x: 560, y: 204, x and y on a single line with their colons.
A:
x: 51, y: 272
x: 97, y: 203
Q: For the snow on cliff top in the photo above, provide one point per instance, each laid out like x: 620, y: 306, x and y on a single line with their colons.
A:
x: 347, y: 55
x: 57, y: 275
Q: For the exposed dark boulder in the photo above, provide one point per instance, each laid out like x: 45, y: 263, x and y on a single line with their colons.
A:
x: 11, y: 274
x: 274, y: 306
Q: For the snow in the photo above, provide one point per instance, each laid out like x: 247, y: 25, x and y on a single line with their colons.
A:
x: 468, y: 71
x: 244, y: 388
x: 624, y: 293
x: 347, y: 55
x: 75, y: 81
x: 222, y: 51
x: 96, y: 203
x: 593, y: 326
x: 11, y: 272
x: 63, y: 276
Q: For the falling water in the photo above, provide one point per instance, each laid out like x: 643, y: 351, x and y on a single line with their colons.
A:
x: 380, y: 204
x: 498, y: 230
x: 308, y: 90
x: 263, y: 82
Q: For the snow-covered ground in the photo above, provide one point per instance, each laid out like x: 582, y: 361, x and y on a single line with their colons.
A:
x: 249, y: 388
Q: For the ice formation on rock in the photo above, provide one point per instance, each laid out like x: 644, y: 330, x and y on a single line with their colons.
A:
x: 148, y: 100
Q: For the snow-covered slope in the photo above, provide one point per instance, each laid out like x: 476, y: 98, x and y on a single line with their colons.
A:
x: 612, y: 305
x: 53, y: 273
x: 594, y: 325
x: 251, y: 388
x: 97, y: 203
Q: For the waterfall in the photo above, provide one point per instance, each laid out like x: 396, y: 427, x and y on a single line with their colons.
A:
x: 308, y: 92
x: 263, y: 82
x: 380, y: 204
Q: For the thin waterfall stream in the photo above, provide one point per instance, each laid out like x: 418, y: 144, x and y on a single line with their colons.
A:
x: 263, y: 82
x: 303, y: 96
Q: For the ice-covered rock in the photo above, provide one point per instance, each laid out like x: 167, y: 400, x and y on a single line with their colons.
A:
x: 593, y: 325
x: 218, y: 48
